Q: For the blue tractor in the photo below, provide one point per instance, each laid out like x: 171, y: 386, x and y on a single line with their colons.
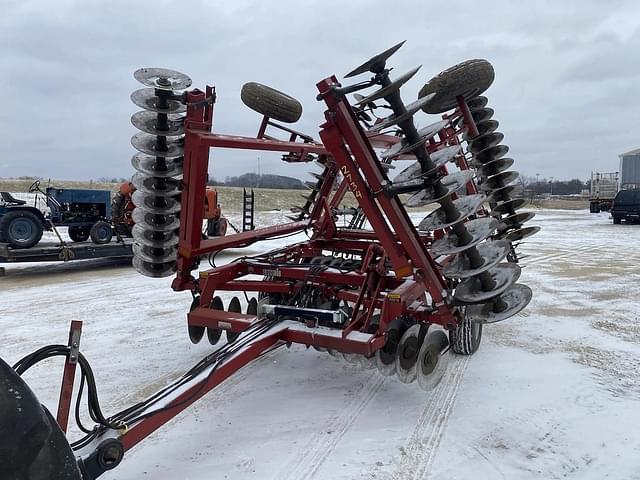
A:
x: 85, y: 212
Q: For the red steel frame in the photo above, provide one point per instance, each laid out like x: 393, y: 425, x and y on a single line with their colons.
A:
x: 415, y: 287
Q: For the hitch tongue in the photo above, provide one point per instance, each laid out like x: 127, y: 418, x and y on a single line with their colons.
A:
x: 32, y: 445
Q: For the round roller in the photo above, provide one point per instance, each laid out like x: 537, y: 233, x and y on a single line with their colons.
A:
x: 149, y: 144
x: 386, y: 356
x: 162, y: 78
x: 465, y: 206
x: 150, y: 165
x: 498, y: 181
x: 470, y: 290
x: 148, y: 122
x: 513, y: 300
x: 407, y: 354
x: 214, y: 334
x: 146, y: 98
x: 479, y: 229
x: 195, y: 332
x: 234, y: 307
x: 491, y: 252
x: 433, y: 359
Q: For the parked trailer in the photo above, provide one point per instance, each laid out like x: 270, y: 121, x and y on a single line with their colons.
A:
x: 604, y: 187
x: 630, y: 169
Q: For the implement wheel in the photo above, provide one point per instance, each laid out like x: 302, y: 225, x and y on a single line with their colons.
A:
x: 465, y: 338
x: 467, y: 79
x: 21, y: 228
x: 101, y: 233
x: 271, y: 102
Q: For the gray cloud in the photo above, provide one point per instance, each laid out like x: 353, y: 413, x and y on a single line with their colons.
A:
x: 565, y: 93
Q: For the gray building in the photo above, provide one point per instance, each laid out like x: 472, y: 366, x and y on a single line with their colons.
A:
x: 630, y: 169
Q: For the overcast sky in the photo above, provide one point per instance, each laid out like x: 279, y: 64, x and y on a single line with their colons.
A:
x: 566, y: 93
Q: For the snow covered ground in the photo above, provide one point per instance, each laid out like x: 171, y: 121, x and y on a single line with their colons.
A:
x: 552, y: 393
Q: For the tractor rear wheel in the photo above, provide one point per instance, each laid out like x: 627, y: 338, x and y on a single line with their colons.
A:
x: 617, y: 220
x: 271, y: 102
x: 79, y: 234
x: 21, y: 228
x: 101, y: 233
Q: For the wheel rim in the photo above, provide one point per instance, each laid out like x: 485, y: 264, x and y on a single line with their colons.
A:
x: 21, y: 229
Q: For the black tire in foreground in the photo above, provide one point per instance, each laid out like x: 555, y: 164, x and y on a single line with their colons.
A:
x: 467, y: 79
x: 617, y: 220
x: 271, y: 102
x: 21, y: 228
x: 101, y: 232
x: 79, y: 234
x: 465, y: 338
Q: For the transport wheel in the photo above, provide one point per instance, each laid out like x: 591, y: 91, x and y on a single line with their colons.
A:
x: 101, y: 233
x: 271, y: 102
x: 617, y: 220
x: 234, y: 306
x: 21, y: 229
x: 214, y: 334
x: 468, y: 79
x: 79, y: 234
x: 195, y: 332
x: 465, y: 338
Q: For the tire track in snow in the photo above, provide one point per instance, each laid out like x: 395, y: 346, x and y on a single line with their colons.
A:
x: 306, y: 464
x: 422, y: 445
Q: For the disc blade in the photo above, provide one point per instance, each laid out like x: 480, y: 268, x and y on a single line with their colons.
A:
x: 498, y: 181
x: 465, y: 206
x: 522, y: 233
x: 155, y: 254
x: 490, y: 154
x: 157, y: 167
x: 154, y: 221
x: 407, y: 354
x: 509, y: 207
x: 479, y: 229
x: 392, y: 87
x: 478, y: 114
x: 470, y: 290
x: 515, y: 221
x: 452, y: 183
x: 151, y: 203
x: 494, y: 167
x: 491, y: 252
x: 505, y: 194
x: 161, y: 186
x: 439, y: 158
x: 375, y: 63
x: 154, y: 270
x: 425, y: 134
x: 148, y: 144
x: 148, y: 123
x: 146, y: 98
x: 154, y: 239
x: 432, y: 360
x: 515, y: 298
x: 484, y: 127
x: 411, y: 109
x: 162, y: 78
x: 477, y: 102
x: 485, y: 141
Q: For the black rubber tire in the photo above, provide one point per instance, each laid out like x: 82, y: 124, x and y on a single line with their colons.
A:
x: 617, y: 220
x: 101, y: 233
x: 466, y: 337
x: 79, y: 234
x: 17, y: 237
x: 469, y: 79
x: 271, y: 102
